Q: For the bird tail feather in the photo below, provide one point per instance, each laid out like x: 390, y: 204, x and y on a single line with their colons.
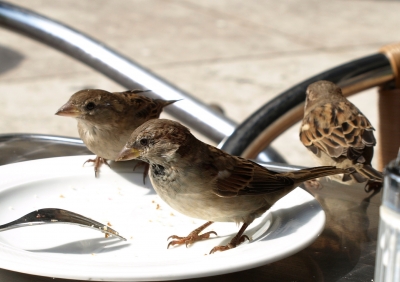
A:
x: 369, y: 172
x: 169, y: 102
x: 316, y: 172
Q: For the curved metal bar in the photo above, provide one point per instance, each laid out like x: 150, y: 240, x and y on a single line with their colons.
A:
x: 23, y: 147
x: 352, y: 77
x: 119, y: 68
x: 41, y: 137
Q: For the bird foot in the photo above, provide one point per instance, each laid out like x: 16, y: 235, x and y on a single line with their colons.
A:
x: 98, y: 161
x: 146, y: 169
x: 190, y: 239
x: 232, y: 244
x: 375, y: 186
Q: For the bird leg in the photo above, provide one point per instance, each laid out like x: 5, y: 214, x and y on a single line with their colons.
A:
x: 98, y: 161
x: 193, y: 236
x: 146, y: 169
x: 237, y: 240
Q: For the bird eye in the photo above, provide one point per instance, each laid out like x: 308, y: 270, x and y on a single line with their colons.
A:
x: 143, y: 141
x: 90, y: 106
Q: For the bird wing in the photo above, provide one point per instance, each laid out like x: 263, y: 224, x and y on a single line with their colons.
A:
x: 237, y: 176
x: 338, y: 130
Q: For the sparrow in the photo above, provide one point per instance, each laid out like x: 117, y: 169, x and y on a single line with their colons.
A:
x: 337, y: 133
x: 201, y: 181
x: 106, y: 120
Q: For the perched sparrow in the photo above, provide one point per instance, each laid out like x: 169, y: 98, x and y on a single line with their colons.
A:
x: 338, y: 134
x: 106, y: 120
x: 204, y: 182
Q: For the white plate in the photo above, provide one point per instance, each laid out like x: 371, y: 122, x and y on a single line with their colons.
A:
x: 136, y: 212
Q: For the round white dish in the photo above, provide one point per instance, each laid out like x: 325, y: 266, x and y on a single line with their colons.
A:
x: 119, y: 197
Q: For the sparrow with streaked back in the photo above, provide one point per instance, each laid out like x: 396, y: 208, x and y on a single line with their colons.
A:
x: 203, y: 182
x: 106, y: 120
x: 337, y: 133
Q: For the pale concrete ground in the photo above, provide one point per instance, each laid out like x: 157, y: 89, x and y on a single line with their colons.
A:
x: 238, y: 54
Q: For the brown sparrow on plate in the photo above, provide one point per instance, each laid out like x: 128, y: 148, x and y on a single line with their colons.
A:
x: 203, y: 182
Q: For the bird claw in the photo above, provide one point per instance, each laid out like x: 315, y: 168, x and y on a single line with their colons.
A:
x: 371, y: 185
x: 232, y: 244
x: 98, y: 161
x: 190, y: 239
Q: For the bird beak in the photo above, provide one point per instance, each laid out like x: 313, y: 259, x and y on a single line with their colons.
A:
x: 69, y: 110
x: 128, y: 154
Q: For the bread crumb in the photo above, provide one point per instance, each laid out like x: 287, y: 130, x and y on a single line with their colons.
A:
x: 158, y: 207
x: 171, y: 214
x: 62, y: 196
x: 109, y: 224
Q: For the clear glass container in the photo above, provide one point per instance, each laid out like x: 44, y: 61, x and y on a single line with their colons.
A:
x: 387, y: 267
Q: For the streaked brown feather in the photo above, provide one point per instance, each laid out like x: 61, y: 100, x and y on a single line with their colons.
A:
x: 338, y: 138
x: 347, y: 132
x: 249, y: 178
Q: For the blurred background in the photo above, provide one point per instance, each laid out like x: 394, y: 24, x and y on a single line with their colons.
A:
x: 237, y: 54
